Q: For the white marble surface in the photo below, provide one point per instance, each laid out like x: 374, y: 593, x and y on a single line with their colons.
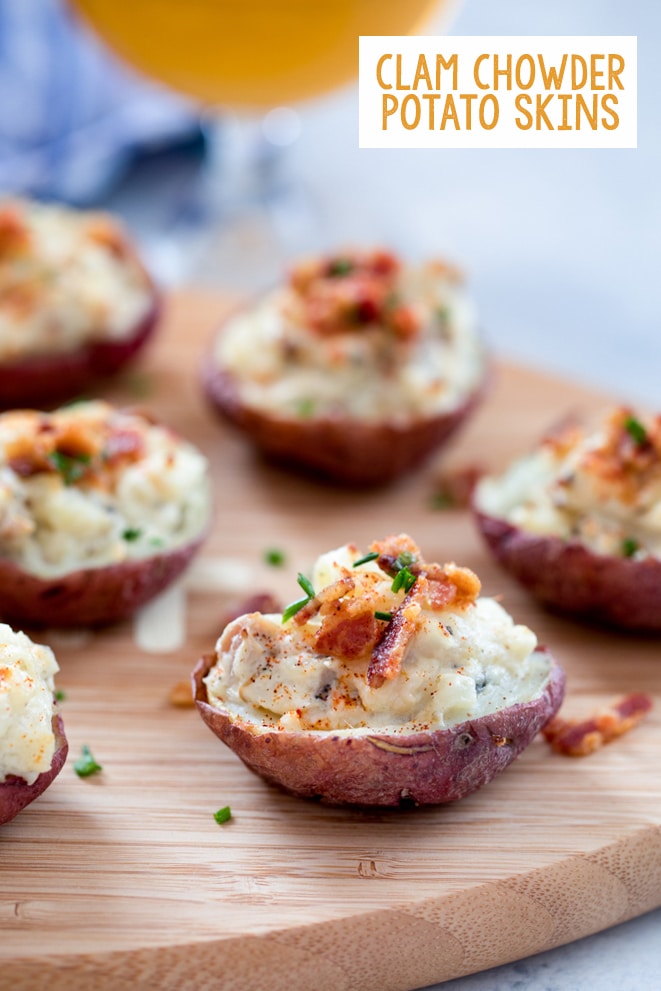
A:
x: 562, y: 249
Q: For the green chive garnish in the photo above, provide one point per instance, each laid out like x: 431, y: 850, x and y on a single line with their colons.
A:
x: 629, y: 546
x: 60, y: 695
x: 86, y: 765
x: 157, y: 542
x: 340, y: 266
x: 295, y: 607
x: 223, y: 815
x: 132, y: 533
x: 404, y: 559
x: 385, y: 616
x: 305, y: 408
x: 275, y: 557
x: 636, y: 430
x: 403, y: 579
x: 372, y: 556
x: 69, y: 467
x: 306, y: 585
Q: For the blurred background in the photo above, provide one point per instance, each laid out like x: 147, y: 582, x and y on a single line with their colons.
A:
x: 561, y: 247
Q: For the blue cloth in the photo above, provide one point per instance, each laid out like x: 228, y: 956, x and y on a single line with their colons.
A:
x: 71, y: 115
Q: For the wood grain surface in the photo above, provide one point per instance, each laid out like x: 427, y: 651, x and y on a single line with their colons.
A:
x: 124, y: 882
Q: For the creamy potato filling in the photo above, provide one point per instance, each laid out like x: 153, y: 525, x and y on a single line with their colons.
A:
x: 27, y: 742
x: 600, y: 486
x: 66, y: 278
x: 89, y: 486
x: 456, y: 656
x: 361, y: 336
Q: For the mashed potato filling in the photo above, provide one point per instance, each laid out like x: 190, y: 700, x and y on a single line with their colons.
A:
x: 456, y: 661
x: 358, y: 336
x: 67, y: 278
x: 27, y: 742
x: 89, y: 486
x: 600, y: 486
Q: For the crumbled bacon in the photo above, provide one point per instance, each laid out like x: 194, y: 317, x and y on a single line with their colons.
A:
x: 14, y: 233
x: 388, y: 654
x: 326, y: 595
x: 578, y: 738
x: 342, y: 293
x: 622, y: 462
x: 123, y: 444
x: 349, y: 633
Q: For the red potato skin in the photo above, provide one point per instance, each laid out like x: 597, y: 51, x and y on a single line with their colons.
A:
x: 567, y: 576
x: 15, y: 794
x: 89, y: 596
x: 48, y: 380
x: 349, y: 452
x: 382, y: 770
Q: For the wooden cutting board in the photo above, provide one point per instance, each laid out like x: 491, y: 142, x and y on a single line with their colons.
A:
x: 124, y: 882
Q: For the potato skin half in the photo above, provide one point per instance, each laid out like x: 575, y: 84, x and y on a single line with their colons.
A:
x: 381, y: 769
x: 15, y: 794
x: 569, y: 577
x: 89, y: 596
x: 47, y: 380
x: 349, y: 452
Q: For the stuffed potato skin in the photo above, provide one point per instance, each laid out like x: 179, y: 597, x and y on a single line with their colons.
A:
x: 355, y: 369
x: 16, y: 794
x: 381, y: 769
x: 48, y: 379
x: 349, y: 452
x: 568, y: 576
x: 89, y: 596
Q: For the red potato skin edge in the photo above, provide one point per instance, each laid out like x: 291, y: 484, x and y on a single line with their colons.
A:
x: 437, y: 767
x: 89, y: 596
x: 15, y: 794
x: 567, y: 576
x: 349, y: 452
x: 47, y: 380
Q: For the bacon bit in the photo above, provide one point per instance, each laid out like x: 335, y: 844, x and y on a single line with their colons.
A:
x: 579, y: 738
x: 181, y: 695
x: 327, y: 595
x: 388, y: 654
x: 106, y: 232
x: 621, y: 462
x: 391, y: 547
x: 123, y: 445
x: 340, y: 293
x: 454, y: 489
x: 14, y: 234
x: 347, y: 634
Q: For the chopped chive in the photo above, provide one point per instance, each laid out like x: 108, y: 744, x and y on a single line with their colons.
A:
x: 404, y: 559
x: 636, y: 430
x: 340, y: 266
x: 70, y: 467
x: 403, y: 579
x: 223, y: 815
x: 293, y: 608
x: 86, y: 765
x: 305, y: 408
x: 385, y: 616
x: 306, y: 585
x: 275, y: 557
x: 443, y: 315
x: 442, y: 500
x: 156, y: 541
x: 60, y: 695
x: 629, y: 546
x: 132, y: 533
x: 372, y: 556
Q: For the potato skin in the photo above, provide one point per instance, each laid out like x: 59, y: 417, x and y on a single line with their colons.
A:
x: 47, y: 380
x: 568, y: 576
x: 349, y: 452
x: 381, y: 769
x: 89, y: 596
x: 15, y: 794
